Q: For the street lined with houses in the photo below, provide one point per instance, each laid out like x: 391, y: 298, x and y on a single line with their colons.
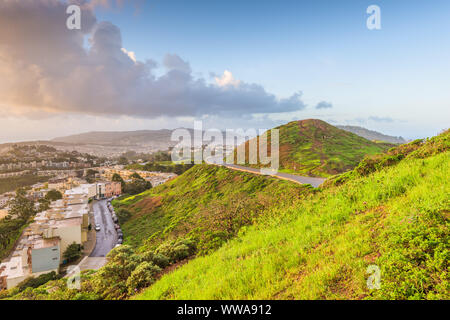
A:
x: 42, y: 246
x: 106, y: 238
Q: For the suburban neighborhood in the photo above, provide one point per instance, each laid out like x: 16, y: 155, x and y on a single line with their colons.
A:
x: 68, y: 221
x: 42, y: 245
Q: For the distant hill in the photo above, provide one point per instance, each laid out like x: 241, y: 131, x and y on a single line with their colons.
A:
x: 315, y: 148
x: 140, y: 137
x: 372, y: 135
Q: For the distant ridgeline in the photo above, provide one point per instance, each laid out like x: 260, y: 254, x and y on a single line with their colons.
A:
x: 372, y: 135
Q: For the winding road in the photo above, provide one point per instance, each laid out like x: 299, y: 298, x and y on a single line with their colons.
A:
x: 315, y: 182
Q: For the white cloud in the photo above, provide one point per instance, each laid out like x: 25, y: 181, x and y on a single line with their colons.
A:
x: 227, y: 79
x: 130, y: 54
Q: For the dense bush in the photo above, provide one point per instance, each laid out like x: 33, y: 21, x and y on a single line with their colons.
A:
x: 158, y: 259
x: 53, y: 195
x: 137, y: 185
x: 177, y: 250
x: 73, y: 252
x: 32, y: 282
x: 10, y: 230
x: 123, y: 215
x: 142, y: 276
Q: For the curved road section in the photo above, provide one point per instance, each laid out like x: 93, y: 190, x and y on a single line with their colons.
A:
x: 315, y: 182
x: 107, y: 236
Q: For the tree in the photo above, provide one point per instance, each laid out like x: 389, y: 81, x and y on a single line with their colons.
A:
x: 90, y: 175
x: 73, y: 252
x: 21, y: 206
x: 117, y: 178
x: 136, y: 176
x: 123, y: 161
x: 53, y: 195
x: 137, y: 186
x: 44, y: 204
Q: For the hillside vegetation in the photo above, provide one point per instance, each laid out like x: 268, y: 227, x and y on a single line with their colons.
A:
x: 393, y: 216
x: 208, y: 204
x: 12, y: 183
x: 192, y: 215
x: 315, y: 148
x: 199, y: 237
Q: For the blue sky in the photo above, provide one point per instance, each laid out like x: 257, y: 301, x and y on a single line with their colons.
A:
x: 394, y: 80
x: 322, y: 48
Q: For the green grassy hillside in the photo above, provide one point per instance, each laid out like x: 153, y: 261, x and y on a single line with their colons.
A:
x: 213, y: 233
x: 393, y: 216
x: 208, y: 204
x: 192, y: 215
x: 315, y: 148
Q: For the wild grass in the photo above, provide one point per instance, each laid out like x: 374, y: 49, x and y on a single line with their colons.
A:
x: 395, y: 218
x: 187, y: 205
x: 316, y: 148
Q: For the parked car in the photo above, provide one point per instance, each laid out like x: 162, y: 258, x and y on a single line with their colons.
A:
x: 116, y: 226
x: 97, y: 227
x: 120, y: 241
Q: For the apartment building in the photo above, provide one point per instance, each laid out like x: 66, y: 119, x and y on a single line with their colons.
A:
x: 33, y: 257
x: 14, y: 174
x: 42, y: 245
x: 113, y: 189
x: 108, y: 189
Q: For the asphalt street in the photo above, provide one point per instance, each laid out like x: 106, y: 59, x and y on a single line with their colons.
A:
x: 315, y: 182
x: 107, y: 236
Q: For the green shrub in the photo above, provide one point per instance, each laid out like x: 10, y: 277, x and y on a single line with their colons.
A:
x: 160, y: 260
x: 123, y: 215
x: 177, y: 250
x: 142, y: 276
x: 33, y: 282
x: 73, y: 252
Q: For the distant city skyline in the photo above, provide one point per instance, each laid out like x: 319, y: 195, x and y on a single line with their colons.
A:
x: 138, y: 65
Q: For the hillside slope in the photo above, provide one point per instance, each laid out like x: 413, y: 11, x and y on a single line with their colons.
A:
x: 207, y: 203
x: 315, y: 148
x: 393, y: 216
x: 192, y: 215
x: 391, y: 212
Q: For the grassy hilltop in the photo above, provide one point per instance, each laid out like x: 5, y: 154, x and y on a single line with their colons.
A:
x: 392, y: 212
x: 315, y: 148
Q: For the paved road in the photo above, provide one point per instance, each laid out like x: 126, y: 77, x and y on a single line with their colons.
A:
x: 315, y: 182
x: 107, y: 236
x: 88, y: 263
